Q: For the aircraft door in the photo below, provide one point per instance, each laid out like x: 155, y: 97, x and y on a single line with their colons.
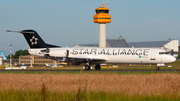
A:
x: 67, y: 53
x: 161, y: 60
x: 152, y: 56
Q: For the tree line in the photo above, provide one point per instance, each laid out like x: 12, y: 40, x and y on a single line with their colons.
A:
x: 18, y: 54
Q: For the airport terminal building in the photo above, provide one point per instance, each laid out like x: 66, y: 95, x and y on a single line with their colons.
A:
x: 36, y: 60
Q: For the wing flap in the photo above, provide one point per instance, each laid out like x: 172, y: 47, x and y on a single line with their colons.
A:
x: 90, y: 59
x: 79, y: 60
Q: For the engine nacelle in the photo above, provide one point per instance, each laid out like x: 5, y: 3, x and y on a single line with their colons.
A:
x: 58, y: 53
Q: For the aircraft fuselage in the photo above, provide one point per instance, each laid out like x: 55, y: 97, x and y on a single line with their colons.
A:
x: 110, y: 55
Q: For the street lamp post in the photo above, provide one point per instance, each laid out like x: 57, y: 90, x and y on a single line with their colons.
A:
x: 10, y: 56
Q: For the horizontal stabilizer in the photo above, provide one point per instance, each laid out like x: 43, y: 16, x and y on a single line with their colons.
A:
x: 51, y: 46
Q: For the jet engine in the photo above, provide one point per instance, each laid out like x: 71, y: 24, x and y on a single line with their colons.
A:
x: 57, y: 53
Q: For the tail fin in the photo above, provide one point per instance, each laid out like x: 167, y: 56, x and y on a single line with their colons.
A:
x: 3, y: 56
x: 33, y: 39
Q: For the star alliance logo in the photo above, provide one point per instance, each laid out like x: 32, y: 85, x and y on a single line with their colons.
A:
x: 33, y: 41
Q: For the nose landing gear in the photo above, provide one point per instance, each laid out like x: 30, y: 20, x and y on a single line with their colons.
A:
x: 157, y: 68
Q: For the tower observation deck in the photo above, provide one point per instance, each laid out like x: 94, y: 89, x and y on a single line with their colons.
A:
x: 102, y: 17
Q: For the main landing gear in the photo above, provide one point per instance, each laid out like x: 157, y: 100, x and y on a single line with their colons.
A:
x: 97, y: 67
x: 87, y: 67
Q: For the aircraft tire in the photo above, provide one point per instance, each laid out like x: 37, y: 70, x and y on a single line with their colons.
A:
x: 157, y: 68
x: 87, y: 67
x: 97, y: 67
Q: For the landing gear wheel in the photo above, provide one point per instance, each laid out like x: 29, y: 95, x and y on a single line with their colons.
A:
x: 87, y: 67
x: 157, y: 68
x: 97, y: 67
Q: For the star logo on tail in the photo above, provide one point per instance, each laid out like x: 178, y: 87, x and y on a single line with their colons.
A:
x: 33, y: 41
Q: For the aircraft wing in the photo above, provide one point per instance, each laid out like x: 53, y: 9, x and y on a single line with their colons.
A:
x: 79, y: 60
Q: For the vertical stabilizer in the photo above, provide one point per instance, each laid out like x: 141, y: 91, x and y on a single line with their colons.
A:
x: 33, y: 39
x: 3, y: 56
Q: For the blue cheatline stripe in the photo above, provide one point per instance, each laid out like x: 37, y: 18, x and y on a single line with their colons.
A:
x: 3, y: 56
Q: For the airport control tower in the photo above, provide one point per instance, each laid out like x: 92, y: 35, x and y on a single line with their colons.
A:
x: 102, y: 17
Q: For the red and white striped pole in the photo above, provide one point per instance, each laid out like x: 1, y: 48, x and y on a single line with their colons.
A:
x: 10, y: 56
x: 31, y: 60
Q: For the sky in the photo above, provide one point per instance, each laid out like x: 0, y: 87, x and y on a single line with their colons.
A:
x: 69, y: 22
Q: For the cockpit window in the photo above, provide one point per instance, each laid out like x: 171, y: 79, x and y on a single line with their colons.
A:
x: 166, y: 53
x: 163, y: 53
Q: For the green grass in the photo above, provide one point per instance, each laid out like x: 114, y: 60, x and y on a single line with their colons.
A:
x: 175, y: 66
x: 86, y: 72
x: 45, y: 94
x: 142, y: 68
x: 21, y: 95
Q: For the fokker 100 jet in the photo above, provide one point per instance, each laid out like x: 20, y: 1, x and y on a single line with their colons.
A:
x: 95, y: 55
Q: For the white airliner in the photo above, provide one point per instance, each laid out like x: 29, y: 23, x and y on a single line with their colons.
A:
x: 95, y: 55
x: 47, y: 65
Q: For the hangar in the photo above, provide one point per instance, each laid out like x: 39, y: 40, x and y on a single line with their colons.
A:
x: 168, y: 45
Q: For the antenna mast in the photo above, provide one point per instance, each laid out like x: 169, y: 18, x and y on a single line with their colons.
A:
x: 106, y: 4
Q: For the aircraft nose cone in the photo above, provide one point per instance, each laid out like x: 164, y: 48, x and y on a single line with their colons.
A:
x: 172, y: 59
